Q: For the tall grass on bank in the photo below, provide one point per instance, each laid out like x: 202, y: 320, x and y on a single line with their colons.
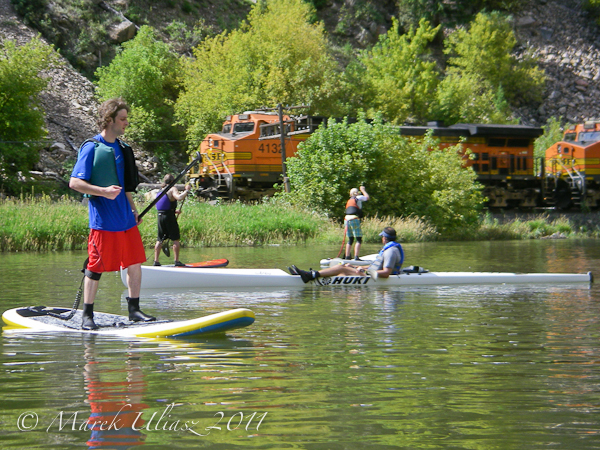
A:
x: 239, y: 224
x: 541, y: 226
x: 38, y: 223
x: 409, y: 229
x: 41, y: 224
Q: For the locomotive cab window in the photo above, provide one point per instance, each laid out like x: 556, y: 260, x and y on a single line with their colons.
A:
x: 227, y: 128
x: 267, y: 130
x: 243, y: 127
x: 589, y: 136
x: 570, y: 137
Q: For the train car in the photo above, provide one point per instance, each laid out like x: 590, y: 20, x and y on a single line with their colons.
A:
x: 502, y: 157
x: 246, y: 159
x: 573, y: 168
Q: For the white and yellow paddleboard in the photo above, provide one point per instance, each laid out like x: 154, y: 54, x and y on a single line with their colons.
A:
x: 37, y: 319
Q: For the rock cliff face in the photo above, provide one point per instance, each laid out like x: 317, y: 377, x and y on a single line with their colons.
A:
x: 567, y: 41
x: 69, y: 100
x: 559, y: 32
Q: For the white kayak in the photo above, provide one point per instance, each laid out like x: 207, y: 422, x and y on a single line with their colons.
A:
x: 175, y: 277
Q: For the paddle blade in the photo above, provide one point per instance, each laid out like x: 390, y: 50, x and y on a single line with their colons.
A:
x: 165, y: 249
x: 209, y: 264
x: 373, y: 273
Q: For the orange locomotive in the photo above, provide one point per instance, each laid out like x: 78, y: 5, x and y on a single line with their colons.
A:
x: 573, y: 167
x: 246, y: 159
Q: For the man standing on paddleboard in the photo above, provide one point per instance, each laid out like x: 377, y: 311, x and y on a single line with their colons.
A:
x: 106, y: 172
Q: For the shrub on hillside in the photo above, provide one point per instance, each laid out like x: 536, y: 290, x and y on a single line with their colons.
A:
x: 21, y: 113
x: 145, y: 74
x: 403, y: 177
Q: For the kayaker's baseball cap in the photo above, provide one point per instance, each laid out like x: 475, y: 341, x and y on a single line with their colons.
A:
x: 389, y: 233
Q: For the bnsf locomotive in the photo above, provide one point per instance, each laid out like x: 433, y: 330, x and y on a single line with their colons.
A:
x: 573, y: 167
x: 246, y: 159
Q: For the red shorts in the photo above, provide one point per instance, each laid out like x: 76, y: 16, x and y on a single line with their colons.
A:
x: 110, y: 250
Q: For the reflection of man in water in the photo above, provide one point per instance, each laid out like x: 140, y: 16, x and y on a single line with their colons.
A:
x: 116, y: 405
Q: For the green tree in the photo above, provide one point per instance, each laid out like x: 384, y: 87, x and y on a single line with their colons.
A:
x: 145, y: 74
x: 21, y: 114
x: 451, y: 13
x: 593, y: 6
x: 553, y: 133
x: 484, y: 51
x: 404, y: 177
x: 470, y: 98
x: 277, y: 56
x: 397, y: 79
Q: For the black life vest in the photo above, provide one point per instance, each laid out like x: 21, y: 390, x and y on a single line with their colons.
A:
x: 132, y: 174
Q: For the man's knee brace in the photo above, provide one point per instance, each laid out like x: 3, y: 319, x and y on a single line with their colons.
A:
x: 88, y: 273
x: 92, y: 275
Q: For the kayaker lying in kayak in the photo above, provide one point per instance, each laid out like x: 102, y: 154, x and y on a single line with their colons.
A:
x: 388, y: 262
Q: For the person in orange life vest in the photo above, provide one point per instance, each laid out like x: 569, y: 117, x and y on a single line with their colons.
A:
x: 114, y: 241
x: 388, y: 262
x: 168, y: 228
x: 352, y: 221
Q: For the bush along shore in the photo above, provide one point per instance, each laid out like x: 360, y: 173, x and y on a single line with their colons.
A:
x: 37, y: 223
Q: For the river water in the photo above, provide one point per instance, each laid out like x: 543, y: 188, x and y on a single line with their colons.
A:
x: 480, y: 367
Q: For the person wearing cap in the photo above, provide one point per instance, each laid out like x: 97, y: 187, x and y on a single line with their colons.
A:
x: 388, y: 262
x: 352, y: 221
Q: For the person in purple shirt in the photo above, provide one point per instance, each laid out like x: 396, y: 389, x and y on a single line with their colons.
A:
x: 168, y: 228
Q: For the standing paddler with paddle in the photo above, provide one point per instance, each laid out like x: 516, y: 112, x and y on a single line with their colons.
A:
x: 106, y: 171
x: 352, y: 221
x: 168, y: 228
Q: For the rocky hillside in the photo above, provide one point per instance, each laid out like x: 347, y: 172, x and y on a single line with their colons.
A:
x: 567, y: 41
x: 559, y: 32
x: 69, y: 100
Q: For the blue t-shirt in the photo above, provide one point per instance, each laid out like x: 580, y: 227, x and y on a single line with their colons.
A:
x: 105, y: 214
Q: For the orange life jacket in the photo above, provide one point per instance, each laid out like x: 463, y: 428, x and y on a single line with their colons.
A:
x: 352, y: 208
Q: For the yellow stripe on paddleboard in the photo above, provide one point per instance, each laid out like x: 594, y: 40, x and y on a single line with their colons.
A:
x: 190, y: 326
x: 10, y: 322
